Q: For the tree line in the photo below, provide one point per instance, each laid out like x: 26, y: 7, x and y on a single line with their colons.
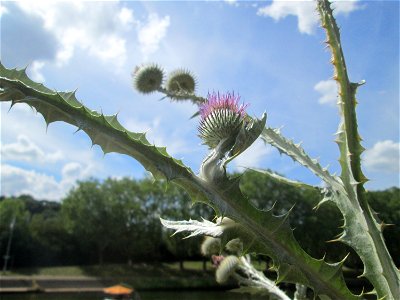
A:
x: 117, y: 221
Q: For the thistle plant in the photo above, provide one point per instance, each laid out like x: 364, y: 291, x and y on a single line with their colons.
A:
x: 228, y: 131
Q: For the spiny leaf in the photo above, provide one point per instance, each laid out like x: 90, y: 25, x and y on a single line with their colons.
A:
x: 283, y: 179
x: 297, y: 153
x: 199, y: 228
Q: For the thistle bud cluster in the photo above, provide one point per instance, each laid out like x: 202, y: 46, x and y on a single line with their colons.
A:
x: 150, y: 77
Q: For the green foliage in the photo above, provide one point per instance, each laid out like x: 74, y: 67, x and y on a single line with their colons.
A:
x: 39, y: 235
x: 387, y: 205
x: 10, y: 208
x: 115, y: 219
x: 89, y: 214
x: 122, y: 216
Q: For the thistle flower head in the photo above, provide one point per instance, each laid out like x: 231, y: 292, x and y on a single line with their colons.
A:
x: 221, y: 118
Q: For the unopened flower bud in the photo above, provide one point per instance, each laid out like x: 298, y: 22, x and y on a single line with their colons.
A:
x: 181, y: 81
x: 226, y: 268
x: 147, y: 78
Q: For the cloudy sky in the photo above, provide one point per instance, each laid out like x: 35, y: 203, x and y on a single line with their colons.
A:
x: 269, y: 52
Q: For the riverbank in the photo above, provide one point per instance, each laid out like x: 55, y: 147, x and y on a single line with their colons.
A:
x: 95, y: 278
x: 161, y: 276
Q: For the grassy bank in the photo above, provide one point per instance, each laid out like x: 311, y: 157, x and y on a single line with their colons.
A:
x: 141, y: 276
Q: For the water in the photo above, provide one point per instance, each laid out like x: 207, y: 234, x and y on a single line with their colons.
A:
x: 160, y: 295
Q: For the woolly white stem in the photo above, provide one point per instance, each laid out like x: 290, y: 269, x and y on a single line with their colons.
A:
x: 257, y: 279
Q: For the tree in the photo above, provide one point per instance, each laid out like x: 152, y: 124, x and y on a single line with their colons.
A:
x: 120, y: 218
x: 89, y: 216
x: 387, y: 203
x: 14, y: 211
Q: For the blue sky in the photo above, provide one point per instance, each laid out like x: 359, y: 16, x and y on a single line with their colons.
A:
x: 269, y: 52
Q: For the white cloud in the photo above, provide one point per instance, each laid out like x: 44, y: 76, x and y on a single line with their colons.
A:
x: 346, y: 7
x: 126, y: 16
x: 73, y: 171
x: 232, y: 2
x: 17, y: 181
x: 383, y: 156
x: 328, y: 91
x: 155, y: 134
x: 113, y: 49
x: 253, y: 156
x: 151, y: 33
x: 34, y: 71
x: 29, y: 141
x: 3, y: 10
x: 304, y: 11
x: 97, y: 27
x: 25, y: 150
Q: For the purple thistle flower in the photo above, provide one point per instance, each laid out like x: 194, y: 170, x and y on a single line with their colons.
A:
x: 228, y: 101
x: 221, y: 118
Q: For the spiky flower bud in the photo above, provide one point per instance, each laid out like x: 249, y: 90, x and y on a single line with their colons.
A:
x: 210, y: 246
x: 226, y: 268
x: 221, y: 118
x: 181, y: 82
x: 235, y: 246
x: 148, y: 78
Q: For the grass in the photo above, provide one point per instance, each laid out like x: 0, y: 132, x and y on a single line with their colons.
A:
x: 141, y: 276
x: 112, y: 270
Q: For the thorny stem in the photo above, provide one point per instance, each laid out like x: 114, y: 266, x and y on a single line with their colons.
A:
x: 182, y: 95
x: 379, y: 268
